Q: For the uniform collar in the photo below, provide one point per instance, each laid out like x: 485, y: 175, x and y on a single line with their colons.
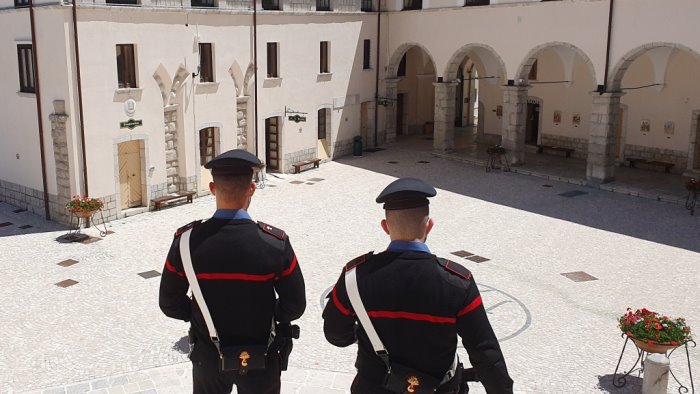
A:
x: 408, y: 246
x: 231, y: 214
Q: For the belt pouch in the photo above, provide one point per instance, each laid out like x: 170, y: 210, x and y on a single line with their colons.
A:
x: 243, y: 358
x: 403, y: 379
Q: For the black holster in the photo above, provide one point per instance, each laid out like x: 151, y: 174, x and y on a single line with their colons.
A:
x: 285, y: 333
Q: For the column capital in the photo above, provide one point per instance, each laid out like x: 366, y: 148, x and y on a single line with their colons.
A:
x: 517, y: 89
x: 242, y: 99
x: 446, y: 84
x: 607, y: 95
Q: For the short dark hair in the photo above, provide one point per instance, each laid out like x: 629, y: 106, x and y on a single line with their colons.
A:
x: 232, y: 185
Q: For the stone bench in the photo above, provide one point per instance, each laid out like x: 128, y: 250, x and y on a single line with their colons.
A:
x: 567, y: 151
x: 654, y: 163
x: 297, y: 166
x: 159, y: 201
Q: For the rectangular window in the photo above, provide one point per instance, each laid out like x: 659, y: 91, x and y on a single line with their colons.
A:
x: 206, y: 63
x: 322, y: 123
x: 21, y: 3
x: 366, y: 55
x: 126, y: 66
x: 270, y: 4
x: 469, y: 3
x: 122, y: 2
x: 366, y: 5
x: 25, y: 62
x: 272, y: 65
x: 323, y: 5
x: 412, y: 4
x: 324, y: 57
x: 402, y: 67
x: 203, y: 3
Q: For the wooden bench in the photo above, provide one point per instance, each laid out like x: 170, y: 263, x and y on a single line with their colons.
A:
x: 159, y: 201
x: 297, y: 166
x: 657, y: 163
x: 568, y: 151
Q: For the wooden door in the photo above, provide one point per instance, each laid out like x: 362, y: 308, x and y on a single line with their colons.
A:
x: 618, y: 132
x: 130, y: 174
x: 272, y: 143
x: 207, y: 151
x: 399, y: 113
x: 532, y: 124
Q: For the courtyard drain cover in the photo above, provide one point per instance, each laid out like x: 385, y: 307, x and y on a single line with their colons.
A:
x: 5, y: 224
x: 477, y: 259
x: 296, y: 182
x: 572, y: 193
x: 462, y: 253
x: 68, y: 263
x: 26, y: 226
x: 315, y: 179
x: 66, y: 283
x: 310, y: 183
x: 423, y: 162
x: 393, y: 162
x: 579, y: 276
x: 149, y: 274
x: 546, y: 185
x: 19, y: 210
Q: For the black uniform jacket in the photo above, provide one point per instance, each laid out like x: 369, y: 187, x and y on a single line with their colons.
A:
x: 240, y: 265
x: 418, y: 308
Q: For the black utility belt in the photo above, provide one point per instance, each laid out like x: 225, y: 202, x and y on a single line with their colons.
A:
x: 402, y: 379
x: 243, y: 358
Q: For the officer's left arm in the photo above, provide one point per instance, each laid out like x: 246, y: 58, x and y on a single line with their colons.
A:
x: 338, y: 318
x: 290, y: 288
x: 173, y: 298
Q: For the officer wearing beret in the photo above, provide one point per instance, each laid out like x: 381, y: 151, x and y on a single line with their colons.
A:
x: 417, y: 304
x: 240, y: 265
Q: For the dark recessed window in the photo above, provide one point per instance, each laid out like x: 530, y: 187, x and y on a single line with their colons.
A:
x: 206, y: 63
x: 469, y: 3
x: 322, y: 123
x: 272, y: 61
x: 271, y: 4
x: 412, y: 5
x: 366, y: 55
x: 122, y: 2
x: 126, y: 66
x: 532, y: 76
x: 25, y: 61
x: 324, y: 57
x: 21, y: 3
x: 203, y: 3
x: 323, y: 5
x: 366, y: 5
x: 402, y: 66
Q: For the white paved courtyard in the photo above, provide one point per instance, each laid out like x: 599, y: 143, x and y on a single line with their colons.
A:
x: 106, y: 334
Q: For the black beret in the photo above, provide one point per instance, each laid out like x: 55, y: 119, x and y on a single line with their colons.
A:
x: 406, y: 193
x: 236, y: 161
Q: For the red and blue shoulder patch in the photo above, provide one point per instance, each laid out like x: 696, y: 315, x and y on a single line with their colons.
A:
x: 272, y: 230
x: 455, y: 268
x: 186, y: 227
x: 354, y: 263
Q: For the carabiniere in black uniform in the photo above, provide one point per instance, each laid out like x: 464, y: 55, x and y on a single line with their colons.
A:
x: 418, y: 304
x: 239, y: 264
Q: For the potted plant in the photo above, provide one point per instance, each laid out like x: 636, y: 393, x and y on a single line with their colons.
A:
x: 653, y: 332
x: 496, y: 150
x: 84, y: 206
x: 692, y: 185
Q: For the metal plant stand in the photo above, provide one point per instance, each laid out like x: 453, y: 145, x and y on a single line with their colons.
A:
x: 620, y: 380
x: 74, y: 233
x: 691, y: 201
x: 497, y: 155
x: 259, y: 177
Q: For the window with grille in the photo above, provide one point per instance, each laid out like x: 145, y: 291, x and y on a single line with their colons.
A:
x: 272, y: 61
x: 469, y: 3
x: 366, y: 5
x: 122, y: 2
x: 366, y: 55
x: 206, y: 63
x: 21, y: 3
x: 25, y: 62
x: 271, y: 4
x: 412, y: 4
x: 203, y: 3
x: 324, y: 57
x: 323, y: 5
x: 126, y: 66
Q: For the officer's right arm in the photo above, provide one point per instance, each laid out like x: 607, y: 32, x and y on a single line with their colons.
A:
x: 338, y: 318
x: 173, y: 298
x: 480, y: 342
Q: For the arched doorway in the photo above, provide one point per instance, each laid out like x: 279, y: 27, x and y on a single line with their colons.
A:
x: 131, y: 174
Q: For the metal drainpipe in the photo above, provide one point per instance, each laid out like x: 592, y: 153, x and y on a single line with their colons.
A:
x: 40, y: 120
x: 607, y: 49
x: 376, y: 79
x: 80, y: 102
x: 255, y: 68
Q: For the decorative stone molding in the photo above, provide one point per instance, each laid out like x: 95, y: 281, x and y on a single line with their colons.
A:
x: 242, y: 117
x: 60, y: 153
x: 171, y: 156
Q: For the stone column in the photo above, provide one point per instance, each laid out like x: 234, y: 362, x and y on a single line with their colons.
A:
x: 444, y: 121
x: 513, y: 120
x: 60, y: 154
x: 391, y: 91
x: 600, y: 166
x: 171, y: 163
x: 242, y: 116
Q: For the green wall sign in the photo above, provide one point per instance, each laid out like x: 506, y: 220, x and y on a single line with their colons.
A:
x: 297, y: 118
x: 130, y: 124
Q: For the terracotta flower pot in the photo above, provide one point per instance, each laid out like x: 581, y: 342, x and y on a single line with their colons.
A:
x: 661, y: 348
x: 84, y: 214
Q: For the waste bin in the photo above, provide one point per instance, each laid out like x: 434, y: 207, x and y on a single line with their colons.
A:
x: 357, y: 146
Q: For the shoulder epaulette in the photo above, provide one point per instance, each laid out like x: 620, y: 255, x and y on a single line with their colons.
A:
x: 358, y: 260
x: 274, y: 231
x: 186, y: 227
x: 455, y: 268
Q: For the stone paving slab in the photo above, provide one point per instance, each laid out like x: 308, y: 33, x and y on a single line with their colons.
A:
x: 558, y: 336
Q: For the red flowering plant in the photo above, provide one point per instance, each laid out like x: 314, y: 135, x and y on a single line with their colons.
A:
x: 693, y: 185
x: 84, y: 204
x: 653, y: 328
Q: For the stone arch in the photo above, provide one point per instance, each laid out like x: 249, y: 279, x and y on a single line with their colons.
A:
x: 180, y: 76
x: 237, y: 76
x: 488, y: 56
x: 249, y: 73
x: 164, y: 82
x: 526, y: 65
x: 618, y: 72
x: 393, y: 65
